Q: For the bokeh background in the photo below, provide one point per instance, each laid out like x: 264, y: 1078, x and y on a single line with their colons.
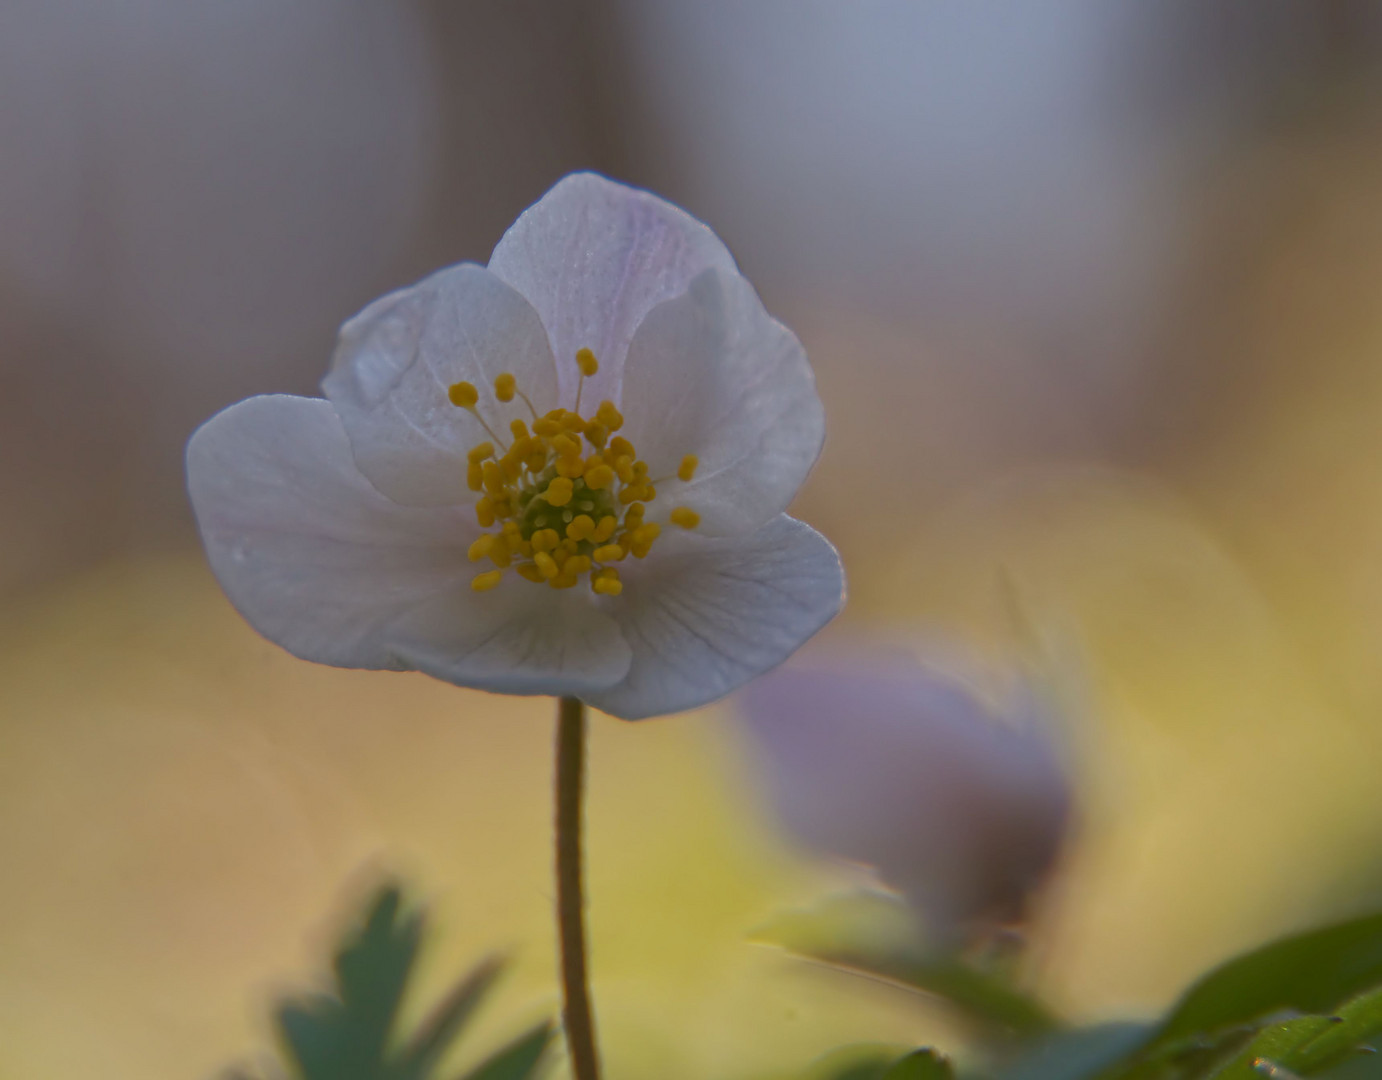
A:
x: 1093, y: 292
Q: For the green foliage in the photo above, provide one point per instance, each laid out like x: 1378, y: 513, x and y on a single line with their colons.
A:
x: 919, y: 1065
x: 1304, y: 1006
x: 1310, y: 972
x: 879, y: 1062
x: 844, y: 934
x: 351, y: 1032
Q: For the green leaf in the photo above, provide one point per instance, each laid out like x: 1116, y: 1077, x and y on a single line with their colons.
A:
x: 1275, y: 1045
x: 981, y: 997
x: 869, y: 934
x: 920, y: 1065
x: 1356, y: 1022
x: 345, y: 1036
x: 1078, y: 1054
x: 440, y: 1030
x: 859, y: 1061
x: 352, y: 1033
x: 518, y: 1060
x: 1310, y: 973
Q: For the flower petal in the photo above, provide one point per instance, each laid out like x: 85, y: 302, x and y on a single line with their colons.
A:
x: 703, y: 616
x: 307, y: 550
x: 594, y: 257
x: 959, y: 801
x: 395, y: 361
x: 520, y: 638
x: 710, y: 373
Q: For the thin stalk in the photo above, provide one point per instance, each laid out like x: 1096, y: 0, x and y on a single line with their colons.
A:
x: 580, y: 1025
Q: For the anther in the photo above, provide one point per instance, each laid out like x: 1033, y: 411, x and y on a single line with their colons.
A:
x: 685, y: 517
x: 585, y: 360
x: 581, y: 527
x: 481, y: 547
x: 558, y: 491
x: 486, y: 581
x: 605, y: 529
x: 463, y: 395
x: 599, y: 477
x: 612, y: 418
x: 687, y: 469
x: 504, y: 387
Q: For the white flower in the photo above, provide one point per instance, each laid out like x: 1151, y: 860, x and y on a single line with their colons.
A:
x: 960, y: 805
x: 561, y: 474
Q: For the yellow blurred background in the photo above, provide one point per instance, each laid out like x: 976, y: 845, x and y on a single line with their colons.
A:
x: 1094, y: 297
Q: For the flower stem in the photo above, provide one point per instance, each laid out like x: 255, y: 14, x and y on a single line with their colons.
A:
x: 580, y: 1025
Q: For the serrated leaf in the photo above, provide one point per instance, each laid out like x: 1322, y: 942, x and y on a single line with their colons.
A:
x: 519, y: 1060
x: 1309, y: 973
x: 312, y: 1031
x: 372, y: 970
x: 346, y: 1036
x: 439, y: 1031
x: 923, y: 1064
x: 1079, y: 1054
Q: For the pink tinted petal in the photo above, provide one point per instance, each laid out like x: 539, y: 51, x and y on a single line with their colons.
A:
x: 710, y: 373
x: 594, y: 257
x: 907, y: 770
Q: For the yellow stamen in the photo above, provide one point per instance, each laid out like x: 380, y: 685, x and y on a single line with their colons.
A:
x: 611, y: 417
x: 486, y: 581
x: 566, y: 497
x: 559, y: 491
x: 605, y: 529
x: 599, y: 477
x: 545, y: 540
x: 481, y: 547
x: 582, y: 527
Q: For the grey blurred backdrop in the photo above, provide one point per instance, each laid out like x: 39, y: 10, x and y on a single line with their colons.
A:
x: 994, y: 225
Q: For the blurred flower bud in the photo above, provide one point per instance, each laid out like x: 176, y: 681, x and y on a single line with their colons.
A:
x: 958, y: 803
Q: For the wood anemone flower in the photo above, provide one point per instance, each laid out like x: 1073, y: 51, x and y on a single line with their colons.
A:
x: 564, y: 473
